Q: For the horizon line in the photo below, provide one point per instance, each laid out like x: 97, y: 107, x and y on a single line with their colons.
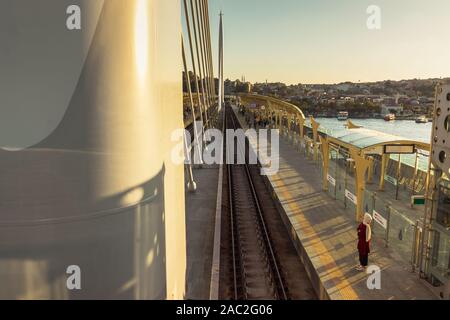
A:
x: 347, y: 81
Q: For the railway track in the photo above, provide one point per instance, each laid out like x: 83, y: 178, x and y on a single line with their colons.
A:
x: 259, y: 261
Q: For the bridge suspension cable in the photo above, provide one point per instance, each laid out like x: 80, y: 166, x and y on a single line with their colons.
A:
x: 203, y: 96
x: 196, y: 16
x: 202, y: 53
x: 202, y: 110
x: 191, y: 100
x: 208, y: 29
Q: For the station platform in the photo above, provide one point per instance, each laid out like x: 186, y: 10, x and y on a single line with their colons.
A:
x: 200, y: 224
x: 326, y: 239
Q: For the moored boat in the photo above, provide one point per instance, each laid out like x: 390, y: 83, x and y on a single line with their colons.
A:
x: 342, y: 116
x: 421, y: 119
x: 389, y: 117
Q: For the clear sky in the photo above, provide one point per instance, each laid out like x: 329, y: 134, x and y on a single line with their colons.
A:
x: 327, y: 41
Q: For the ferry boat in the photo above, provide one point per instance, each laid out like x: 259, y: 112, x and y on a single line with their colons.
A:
x: 421, y: 119
x: 389, y: 117
x: 342, y: 116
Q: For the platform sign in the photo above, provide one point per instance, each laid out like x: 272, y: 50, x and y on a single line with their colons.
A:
x: 350, y: 196
x: 399, y: 149
x: 331, y: 180
x: 390, y: 179
x: 379, y: 219
x: 418, y: 200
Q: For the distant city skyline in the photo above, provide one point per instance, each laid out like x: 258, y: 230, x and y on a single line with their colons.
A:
x: 326, y: 42
x: 336, y: 83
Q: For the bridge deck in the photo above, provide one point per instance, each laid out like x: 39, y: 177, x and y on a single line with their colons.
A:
x: 325, y: 235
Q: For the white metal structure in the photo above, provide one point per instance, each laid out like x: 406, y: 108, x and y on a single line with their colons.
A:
x: 85, y: 138
x: 436, y: 244
x: 441, y: 132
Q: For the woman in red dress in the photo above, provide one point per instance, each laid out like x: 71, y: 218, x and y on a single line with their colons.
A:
x: 364, y: 237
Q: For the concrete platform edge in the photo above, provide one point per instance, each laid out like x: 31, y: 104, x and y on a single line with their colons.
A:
x: 215, y: 270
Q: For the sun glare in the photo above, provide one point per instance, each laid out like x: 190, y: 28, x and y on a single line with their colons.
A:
x: 141, y: 38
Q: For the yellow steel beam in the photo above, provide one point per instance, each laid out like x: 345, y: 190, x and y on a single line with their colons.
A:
x: 351, y: 125
x: 325, y: 160
x: 301, y: 121
x: 384, y: 162
x: 361, y: 166
x: 371, y: 169
x: 315, y: 126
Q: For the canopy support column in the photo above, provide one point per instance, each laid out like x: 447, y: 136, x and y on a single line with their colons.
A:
x: 289, y: 127
x: 371, y: 170
x: 416, y: 164
x: 325, y: 161
x: 280, y: 122
x: 361, y: 166
x: 399, y: 169
x: 384, y: 162
x: 301, y: 121
x: 315, y: 126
